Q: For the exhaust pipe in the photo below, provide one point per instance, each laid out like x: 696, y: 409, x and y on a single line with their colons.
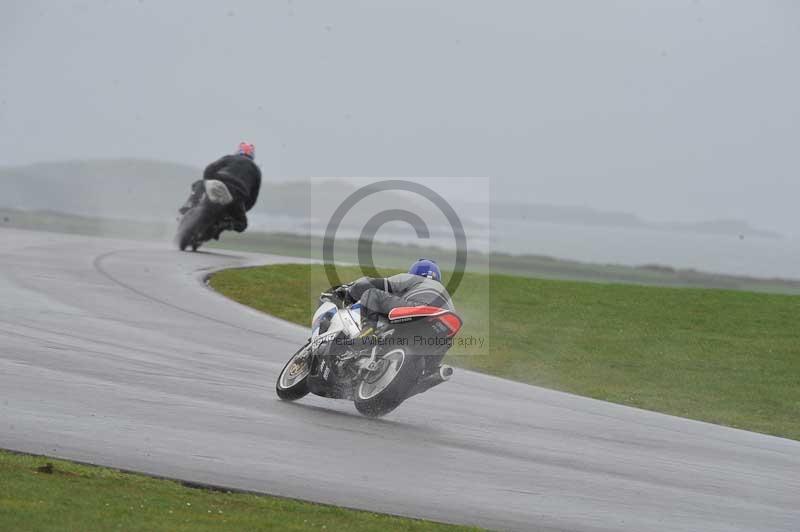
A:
x: 429, y: 381
x: 445, y: 372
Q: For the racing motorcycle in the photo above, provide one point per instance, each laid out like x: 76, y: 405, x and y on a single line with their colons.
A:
x: 205, y: 217
x: 402, y: 360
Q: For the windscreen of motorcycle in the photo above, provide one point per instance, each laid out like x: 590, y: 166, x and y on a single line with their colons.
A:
x: 351, y: 320
x: 327, y: 309
x: 355, y: 313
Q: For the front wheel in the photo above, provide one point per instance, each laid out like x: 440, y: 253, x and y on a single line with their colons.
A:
x: 293, y: 381
x: 383, y: 389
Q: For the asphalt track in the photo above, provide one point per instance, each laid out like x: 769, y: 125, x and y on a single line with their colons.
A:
x: 113, y: 352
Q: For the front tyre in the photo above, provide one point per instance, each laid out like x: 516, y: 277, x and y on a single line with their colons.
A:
x: 293, y: 380
x: 382, y: 390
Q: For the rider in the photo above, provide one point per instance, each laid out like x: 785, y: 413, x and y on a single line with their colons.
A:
x: 420, y: 286
x: 242, y: 177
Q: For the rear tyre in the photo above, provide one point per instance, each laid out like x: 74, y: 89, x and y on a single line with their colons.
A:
x: 194, y: 223
x: 384, y: 389
x: 292, y: 382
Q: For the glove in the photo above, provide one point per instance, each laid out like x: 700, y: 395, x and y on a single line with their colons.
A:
x: 341, y: 292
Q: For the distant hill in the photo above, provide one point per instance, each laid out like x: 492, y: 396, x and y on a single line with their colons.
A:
x: 590, y: 217
x: 722, y: 227
x: 153, y: 190
x: 124, y: 188
x: 148, y: 190
x: 127, y: 188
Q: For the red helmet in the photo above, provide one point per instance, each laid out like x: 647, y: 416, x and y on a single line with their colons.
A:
x: 247, y: 149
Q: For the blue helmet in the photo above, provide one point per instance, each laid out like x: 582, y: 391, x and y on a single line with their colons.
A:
x: 426, y: 268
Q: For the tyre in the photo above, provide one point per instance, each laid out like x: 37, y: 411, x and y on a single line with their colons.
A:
x: 292, y: 382
x: 385, y: 388
x: 194, y: 224
x: 183, y: 239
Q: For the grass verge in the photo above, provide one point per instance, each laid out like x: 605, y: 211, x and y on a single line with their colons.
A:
x: 726, y: 357
x: 35, y: 496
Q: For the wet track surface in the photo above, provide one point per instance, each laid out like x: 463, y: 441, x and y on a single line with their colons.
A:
x: 113, y: 352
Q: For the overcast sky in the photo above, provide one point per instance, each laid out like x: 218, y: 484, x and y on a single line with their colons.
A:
x: 672, y: 110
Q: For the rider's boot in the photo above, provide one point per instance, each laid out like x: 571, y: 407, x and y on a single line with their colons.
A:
x: 368, y: 337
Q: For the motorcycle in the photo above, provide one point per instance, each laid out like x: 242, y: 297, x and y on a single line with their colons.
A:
x: 402, y: 360
x: 204, y: 218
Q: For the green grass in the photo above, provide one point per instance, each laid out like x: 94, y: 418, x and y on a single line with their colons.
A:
x: 74, y: 497
x: 727, y: 357
x: 536, y: 266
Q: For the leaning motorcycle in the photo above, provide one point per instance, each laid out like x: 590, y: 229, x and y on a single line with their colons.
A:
x: 205, y: 217
x: 402, y: 360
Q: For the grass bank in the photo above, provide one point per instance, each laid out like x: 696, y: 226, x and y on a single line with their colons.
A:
x: 726, y: 357
x: 35, y: 496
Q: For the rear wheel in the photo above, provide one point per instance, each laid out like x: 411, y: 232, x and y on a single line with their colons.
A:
x: 383, y: 389
x: 184, y: 236
x: 293, y: 381
x: 194, y: 224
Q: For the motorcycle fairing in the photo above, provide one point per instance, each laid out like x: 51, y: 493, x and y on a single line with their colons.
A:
x: 444, y: 316
x: 415, y: 312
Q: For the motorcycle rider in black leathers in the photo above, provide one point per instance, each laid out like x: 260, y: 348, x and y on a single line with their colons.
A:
x: 242, y: 177
x: 420, y: 286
